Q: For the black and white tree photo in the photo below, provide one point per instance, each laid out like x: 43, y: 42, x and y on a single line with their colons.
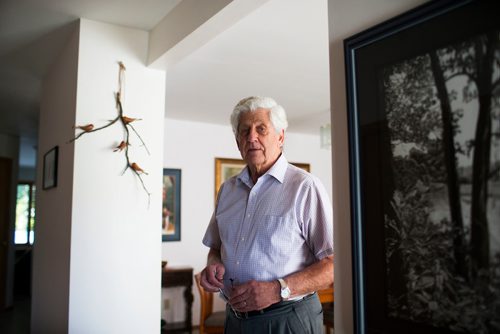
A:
x: 442, y: 208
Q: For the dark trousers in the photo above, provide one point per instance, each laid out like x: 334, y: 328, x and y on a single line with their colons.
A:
x: 301, y: 317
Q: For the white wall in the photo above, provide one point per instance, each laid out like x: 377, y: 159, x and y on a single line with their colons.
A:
x: 98, y: 246
x: 345, y: 18
x: 51, y: 252
x: 116, y: 244
x: 193, y: 147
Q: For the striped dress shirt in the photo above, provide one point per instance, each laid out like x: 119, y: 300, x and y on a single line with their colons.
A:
x: 275, y: 227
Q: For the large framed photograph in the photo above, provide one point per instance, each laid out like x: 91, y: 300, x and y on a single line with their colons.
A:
x: 423, y: 93
x: 226, y: 168
x: 171, y: 209
x: 50, y: 161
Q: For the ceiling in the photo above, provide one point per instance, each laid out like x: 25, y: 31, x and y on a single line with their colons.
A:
x: 278, y: 50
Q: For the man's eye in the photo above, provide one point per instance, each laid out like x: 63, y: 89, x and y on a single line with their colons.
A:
x: 261, y: 130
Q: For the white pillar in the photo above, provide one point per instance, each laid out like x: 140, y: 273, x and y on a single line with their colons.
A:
x: 98, y: 238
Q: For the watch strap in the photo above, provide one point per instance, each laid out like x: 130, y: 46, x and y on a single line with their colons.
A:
x: 285, y: 290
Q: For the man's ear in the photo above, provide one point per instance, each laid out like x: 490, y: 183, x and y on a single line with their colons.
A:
x: 281, y: 138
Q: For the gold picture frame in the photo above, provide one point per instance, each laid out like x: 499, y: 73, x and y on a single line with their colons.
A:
x: 226, y: 168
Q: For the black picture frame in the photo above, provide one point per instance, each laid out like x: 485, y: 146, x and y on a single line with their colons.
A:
x: 387, y: 70
x: 50, y: 165
x: 171, y: 208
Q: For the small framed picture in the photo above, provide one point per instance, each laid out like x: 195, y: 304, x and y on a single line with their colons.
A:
x: 171, y: 213
x: 50, y: 168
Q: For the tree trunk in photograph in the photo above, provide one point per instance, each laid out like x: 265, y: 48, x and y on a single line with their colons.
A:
x: 453, y: 184
x: 485, y: 55
x: 397, y: 266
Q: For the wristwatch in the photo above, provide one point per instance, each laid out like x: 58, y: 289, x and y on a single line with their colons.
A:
x: 285, y: 290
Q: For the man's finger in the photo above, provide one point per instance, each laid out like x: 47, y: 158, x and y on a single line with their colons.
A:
x: 207, y: 285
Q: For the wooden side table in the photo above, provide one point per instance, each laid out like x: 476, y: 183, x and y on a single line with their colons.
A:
x: 183, y: 277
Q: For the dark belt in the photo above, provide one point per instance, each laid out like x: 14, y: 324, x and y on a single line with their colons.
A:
x: 273, y: 307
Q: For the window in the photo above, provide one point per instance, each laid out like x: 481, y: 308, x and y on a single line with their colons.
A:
x: 25, y: 214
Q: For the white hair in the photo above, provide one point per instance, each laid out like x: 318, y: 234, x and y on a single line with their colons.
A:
x: 277, y: 114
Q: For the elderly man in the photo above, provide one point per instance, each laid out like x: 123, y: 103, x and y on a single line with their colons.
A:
x: 271, y: 234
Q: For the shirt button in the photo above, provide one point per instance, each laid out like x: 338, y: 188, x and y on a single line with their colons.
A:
x: 238, y: 262
x: 242, y: 239
x: 248, y: 215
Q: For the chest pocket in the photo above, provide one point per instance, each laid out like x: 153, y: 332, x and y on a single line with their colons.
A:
x: 276, y: 235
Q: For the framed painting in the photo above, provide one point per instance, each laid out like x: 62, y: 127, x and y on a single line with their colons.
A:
x: 171, y: 208
x: 227, y: 168
x: 423, y: 93
x: 50, y: 161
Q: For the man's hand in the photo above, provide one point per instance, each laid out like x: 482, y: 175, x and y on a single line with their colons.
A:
x: 254, y: 295
x: 212, y: 277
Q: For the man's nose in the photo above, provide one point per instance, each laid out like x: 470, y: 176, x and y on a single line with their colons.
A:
x: 252, y: 135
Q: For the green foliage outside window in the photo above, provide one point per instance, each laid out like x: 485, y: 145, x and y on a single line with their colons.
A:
x: 25, y: 214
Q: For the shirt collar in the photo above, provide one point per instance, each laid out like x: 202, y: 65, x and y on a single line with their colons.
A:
x: 277, y: 171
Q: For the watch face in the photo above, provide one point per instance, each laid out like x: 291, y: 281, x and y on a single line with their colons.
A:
x: 285, y: 293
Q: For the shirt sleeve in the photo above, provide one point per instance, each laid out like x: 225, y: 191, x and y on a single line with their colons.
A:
x: 317, y: 219
x: 212, y: 236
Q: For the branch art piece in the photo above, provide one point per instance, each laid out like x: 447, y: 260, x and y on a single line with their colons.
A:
x: 126, y: 122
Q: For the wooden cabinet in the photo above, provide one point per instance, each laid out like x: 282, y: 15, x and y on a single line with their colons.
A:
x: 179, y: 277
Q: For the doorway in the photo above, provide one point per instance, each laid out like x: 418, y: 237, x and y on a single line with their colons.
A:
x: 5, y: 214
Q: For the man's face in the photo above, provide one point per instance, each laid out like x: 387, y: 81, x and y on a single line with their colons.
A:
x: 258, y: 142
